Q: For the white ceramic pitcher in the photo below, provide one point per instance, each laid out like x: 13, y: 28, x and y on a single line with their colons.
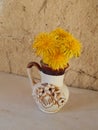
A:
x: 51, y: 94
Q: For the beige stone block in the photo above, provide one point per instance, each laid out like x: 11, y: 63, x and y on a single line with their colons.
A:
x: 20, y: 21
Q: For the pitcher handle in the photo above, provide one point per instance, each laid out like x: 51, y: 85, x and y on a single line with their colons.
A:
x: 29, y: 66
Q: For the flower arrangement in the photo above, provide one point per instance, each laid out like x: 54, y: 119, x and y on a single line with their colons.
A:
x: 56, y: 48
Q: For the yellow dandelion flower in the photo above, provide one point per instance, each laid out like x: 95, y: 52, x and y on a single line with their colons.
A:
x: 56, y: 61
x: 43, y: 44
x: 72, y: 47
x: 56, y: 48
x: 60, y: 34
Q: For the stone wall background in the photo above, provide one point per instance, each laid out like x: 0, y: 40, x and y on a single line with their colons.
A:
x: 21, y: 20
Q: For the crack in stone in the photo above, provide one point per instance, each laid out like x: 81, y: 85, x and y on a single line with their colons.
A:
x: 13, y: 38
x: 44, y: 6
x: 93, y: 82
x: 9, y: 62
x: 83, y: 72
x: 80, y: 72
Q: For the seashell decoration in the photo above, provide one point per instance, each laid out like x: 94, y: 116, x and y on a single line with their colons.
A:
x: 49, y: 97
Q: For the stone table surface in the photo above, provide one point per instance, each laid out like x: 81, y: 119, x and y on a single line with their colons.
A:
x: 18, y: 110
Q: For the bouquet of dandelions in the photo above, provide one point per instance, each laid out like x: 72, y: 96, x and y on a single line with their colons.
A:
x: 56, y: 48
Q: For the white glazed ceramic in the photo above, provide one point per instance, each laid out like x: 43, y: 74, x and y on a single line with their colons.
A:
x: 51, y: 94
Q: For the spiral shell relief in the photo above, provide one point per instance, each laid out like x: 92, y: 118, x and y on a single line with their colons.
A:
x: 49, y: 97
